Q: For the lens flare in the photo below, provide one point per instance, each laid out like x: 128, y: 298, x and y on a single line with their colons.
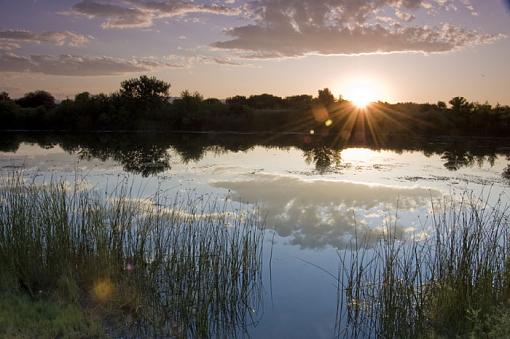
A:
x: 103, y: 290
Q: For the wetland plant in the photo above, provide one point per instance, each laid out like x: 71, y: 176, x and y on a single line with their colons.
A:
x: 186, y: 267
x: 453, y: 283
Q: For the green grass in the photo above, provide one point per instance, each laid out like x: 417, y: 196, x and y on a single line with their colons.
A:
x: 22, y: 317
x: 455, y: 283
x: 158, y: 267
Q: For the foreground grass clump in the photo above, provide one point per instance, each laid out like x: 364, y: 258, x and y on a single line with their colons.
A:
x: 22, y: 317
x: 455, y: 283
x: 148, y: 267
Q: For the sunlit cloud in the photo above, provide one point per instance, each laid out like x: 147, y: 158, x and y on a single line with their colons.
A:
x: 339, y: 27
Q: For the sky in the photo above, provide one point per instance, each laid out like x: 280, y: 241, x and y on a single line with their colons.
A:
x: 395, y: 50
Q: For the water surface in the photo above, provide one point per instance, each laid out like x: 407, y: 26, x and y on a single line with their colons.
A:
x: 315, y: 196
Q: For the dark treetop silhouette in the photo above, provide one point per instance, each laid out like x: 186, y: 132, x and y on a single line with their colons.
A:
x: 143, y: 104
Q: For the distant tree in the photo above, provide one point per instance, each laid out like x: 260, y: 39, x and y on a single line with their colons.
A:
x: 212, y: 101
x: 195, y: 96
x: 299, y: 101
x: 82, y: 97
x: 441, y: 105
x: 188, y: 102
x: 265, y: 101
x: 237, y: 100
x: 325, y: 97
x: 8, y: 111
x: 460, y: 104
x: 145, y: 88
x: 4, y: 96
x: 37, y: 99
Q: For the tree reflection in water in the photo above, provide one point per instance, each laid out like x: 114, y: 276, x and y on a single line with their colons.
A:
x: 147, y: 154
x: 324, y: 158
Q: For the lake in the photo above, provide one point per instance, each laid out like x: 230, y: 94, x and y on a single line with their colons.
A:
x: 315, y: 195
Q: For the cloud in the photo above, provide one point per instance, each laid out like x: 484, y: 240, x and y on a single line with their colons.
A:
x: 320, y: 213
x: 268, y: 42
x: 73, y: 65
x: 12, y: 39
x: 171, y: 8
x: 116, y: 16
x: 138, y: 13
x: 219, y: 60
x: 8, y: 45
x: 287, y: 28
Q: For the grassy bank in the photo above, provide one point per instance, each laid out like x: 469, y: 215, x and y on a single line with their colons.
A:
x: 455, y: 283
x: 149, y: 267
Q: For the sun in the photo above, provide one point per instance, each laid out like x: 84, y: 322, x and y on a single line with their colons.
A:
x: 362, y: 92
x: 361, y: 98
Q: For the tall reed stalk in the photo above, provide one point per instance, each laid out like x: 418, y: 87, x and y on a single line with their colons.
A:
x: 451, y: 284
x: 185, y: 267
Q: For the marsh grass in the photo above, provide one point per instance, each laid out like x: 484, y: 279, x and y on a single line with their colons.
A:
x: 454, y: 283
x: 22, y: 317
x: 190, y: 266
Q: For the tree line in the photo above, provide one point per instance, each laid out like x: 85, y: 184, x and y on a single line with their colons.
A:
x: 144, y: 104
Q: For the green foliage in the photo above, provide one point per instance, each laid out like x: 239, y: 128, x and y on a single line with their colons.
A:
x: 499, y: 323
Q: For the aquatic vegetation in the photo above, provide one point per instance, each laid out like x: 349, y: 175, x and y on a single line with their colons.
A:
x: 454, y: 283
x: 165, y: 268
x: 21, y: 317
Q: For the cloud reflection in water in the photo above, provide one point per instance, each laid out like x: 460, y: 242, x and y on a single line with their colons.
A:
x: 322, y: 213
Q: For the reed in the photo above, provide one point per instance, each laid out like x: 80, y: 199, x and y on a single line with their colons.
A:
x: 190, y: 266
x: 453, y: 283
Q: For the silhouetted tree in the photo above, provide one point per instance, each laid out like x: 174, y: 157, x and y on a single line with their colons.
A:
x: 459, y: 104
x: 325, y: 97
x: 237, y: 100
x: 441, y: 105
x: 265, y: 101
x: 189, y: 102
x: 212, y: 101
x: 82, y: 97
x: 37, y: 99
x: 4, y: 96
x: 299, y: 101
x: 145, y: 88
x: 8, y: 111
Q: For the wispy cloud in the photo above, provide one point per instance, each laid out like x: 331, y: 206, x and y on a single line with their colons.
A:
x: 73, y: 65
x: 12, y: 39
x: 138, y: 13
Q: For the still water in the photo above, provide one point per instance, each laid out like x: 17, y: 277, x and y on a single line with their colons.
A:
x: 314, y: 196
